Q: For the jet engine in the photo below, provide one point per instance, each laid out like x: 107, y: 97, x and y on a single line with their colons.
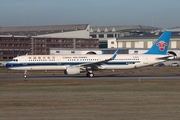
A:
x: 72, y: 70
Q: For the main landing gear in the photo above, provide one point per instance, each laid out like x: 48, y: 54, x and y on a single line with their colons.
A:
x: 89, y: 74
x: 25, y: 72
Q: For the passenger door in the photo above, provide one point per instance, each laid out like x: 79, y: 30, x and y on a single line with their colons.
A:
x: 145, y: 60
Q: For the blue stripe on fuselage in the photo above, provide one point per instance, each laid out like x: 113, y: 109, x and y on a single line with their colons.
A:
x: 31, y: 64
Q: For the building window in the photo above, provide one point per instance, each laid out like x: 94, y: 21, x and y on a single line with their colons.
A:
x: 135, y: 52
x: 48, y: 40
x: 72, y: 51
x: 112, y: 42
x: 110, y: 35
x: 16, y: 52
x: 101, y: 35
x: 57, y: 51
x: 22, y: 52
x: 93, y: 36
x: 10, y: 57
x: 16, y: 44
x: 5, y: 52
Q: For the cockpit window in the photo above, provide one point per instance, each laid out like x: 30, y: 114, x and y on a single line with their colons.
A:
x: 15, y: 59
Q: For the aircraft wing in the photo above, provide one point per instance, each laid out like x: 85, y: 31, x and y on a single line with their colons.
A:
x: 97, y: 64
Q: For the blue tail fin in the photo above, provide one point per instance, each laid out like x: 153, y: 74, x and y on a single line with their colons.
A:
x: 161, y: 45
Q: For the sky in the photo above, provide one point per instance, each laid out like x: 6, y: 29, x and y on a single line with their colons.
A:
x: 157, y: 13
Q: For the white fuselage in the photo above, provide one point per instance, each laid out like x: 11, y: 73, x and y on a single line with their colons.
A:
x: 61, y: 62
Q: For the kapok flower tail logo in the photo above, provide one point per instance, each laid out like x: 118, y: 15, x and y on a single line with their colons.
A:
x: 162, y: 45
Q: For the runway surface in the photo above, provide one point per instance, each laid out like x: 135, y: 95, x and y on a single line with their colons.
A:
x: 98, y: 77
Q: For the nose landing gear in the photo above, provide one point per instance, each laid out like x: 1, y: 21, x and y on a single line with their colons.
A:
x: 25, y: 72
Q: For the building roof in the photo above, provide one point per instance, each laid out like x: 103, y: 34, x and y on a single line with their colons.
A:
x: 135, y: 28
x: 145, y: 36
x: 174, y: 29
x: 39, y: 30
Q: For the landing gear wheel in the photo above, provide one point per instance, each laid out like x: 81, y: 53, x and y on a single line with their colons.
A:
x: 91, y: 75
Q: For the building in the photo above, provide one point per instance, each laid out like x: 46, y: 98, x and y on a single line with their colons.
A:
x: 38, y: 40
x: 140, y: 43
x: 104, y: 33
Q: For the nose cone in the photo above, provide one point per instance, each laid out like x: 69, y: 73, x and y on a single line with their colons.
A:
x: 9, y: 65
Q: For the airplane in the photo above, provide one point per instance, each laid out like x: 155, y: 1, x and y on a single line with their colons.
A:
x: 76, y: 64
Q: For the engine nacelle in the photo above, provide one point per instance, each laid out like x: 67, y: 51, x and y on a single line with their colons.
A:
x: 72, y: 70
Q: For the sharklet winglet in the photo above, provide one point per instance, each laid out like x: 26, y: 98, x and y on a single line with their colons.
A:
x: 115, y: 54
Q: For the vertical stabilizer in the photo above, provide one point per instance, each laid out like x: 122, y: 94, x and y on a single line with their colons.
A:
x: 161, y: 45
